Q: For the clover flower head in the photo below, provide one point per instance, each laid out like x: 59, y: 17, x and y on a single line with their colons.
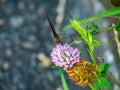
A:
x: 82, y: 73
x: 65, y: 56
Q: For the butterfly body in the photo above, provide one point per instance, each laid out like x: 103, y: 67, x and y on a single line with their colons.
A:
x: 56, y: 36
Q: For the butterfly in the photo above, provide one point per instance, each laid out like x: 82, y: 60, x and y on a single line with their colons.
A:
x: 56, y: 36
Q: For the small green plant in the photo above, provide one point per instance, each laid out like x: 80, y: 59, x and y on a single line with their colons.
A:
x: 81, y: 71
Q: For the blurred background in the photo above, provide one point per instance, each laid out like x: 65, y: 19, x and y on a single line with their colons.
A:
x: 26, y: 41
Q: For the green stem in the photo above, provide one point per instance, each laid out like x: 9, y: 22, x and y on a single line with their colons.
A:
x: 100, y: 87
x: 90, y: 45
x: 110, y: 28
x: 64, y: 83
x: 105, y: 30
x: 113, y: 79
x: 91, y: 54
x: 92, y: 57
x: 114, y: 16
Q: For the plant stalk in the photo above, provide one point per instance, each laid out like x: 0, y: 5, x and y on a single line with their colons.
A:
x: 64, y: 83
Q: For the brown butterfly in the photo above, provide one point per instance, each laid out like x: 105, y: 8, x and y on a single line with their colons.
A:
x: 56, y: 36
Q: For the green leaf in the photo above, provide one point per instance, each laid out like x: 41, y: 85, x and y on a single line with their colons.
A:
x: 90, y: 38
x: 107, y: 13
x: 105, y: 82
x: 95, y: 42
x: 91, y: 31
x: 96, y: 85
x: 118, y: 26
x: 79, y: 28
x: 56, y: 67
x: 101, y: 67
x: 61, y: 71
x: 81, y: 50
x: 91, y: 86
x: 106, y: 66
x: 94, y: 26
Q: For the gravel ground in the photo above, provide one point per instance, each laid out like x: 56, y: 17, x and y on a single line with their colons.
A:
x: 24, y: 34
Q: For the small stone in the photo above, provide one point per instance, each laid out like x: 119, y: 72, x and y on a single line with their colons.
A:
x: 22, y: 86
x: 16, y: 21
x: 34, y: 29
x: 32, y: 7
x: 17, y: 41
x: 46, y: 61
x: 2, y: 22
x: 59, y: 88
x: 18, y: 63
x: 41, y: 10
x: 32, y: 38
x: 28, y: 45
x: 9, y: 52
x: 6, y: 65
x: 21, y: 6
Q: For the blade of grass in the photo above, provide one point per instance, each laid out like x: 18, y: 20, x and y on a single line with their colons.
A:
x: 107, y: 13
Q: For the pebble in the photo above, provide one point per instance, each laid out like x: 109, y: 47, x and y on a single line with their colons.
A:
x: 59, y: 88
x: 16, y: 21
x: 18, y: 63
x: 32, y: 38
x: 32, y: 7
x: 22, y: 86
x: 28, y: 45
x: 2, y: 22
x: 9, y: 52
x: 34, y: 29
x: 21, y: 6
x: 6, y: 65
